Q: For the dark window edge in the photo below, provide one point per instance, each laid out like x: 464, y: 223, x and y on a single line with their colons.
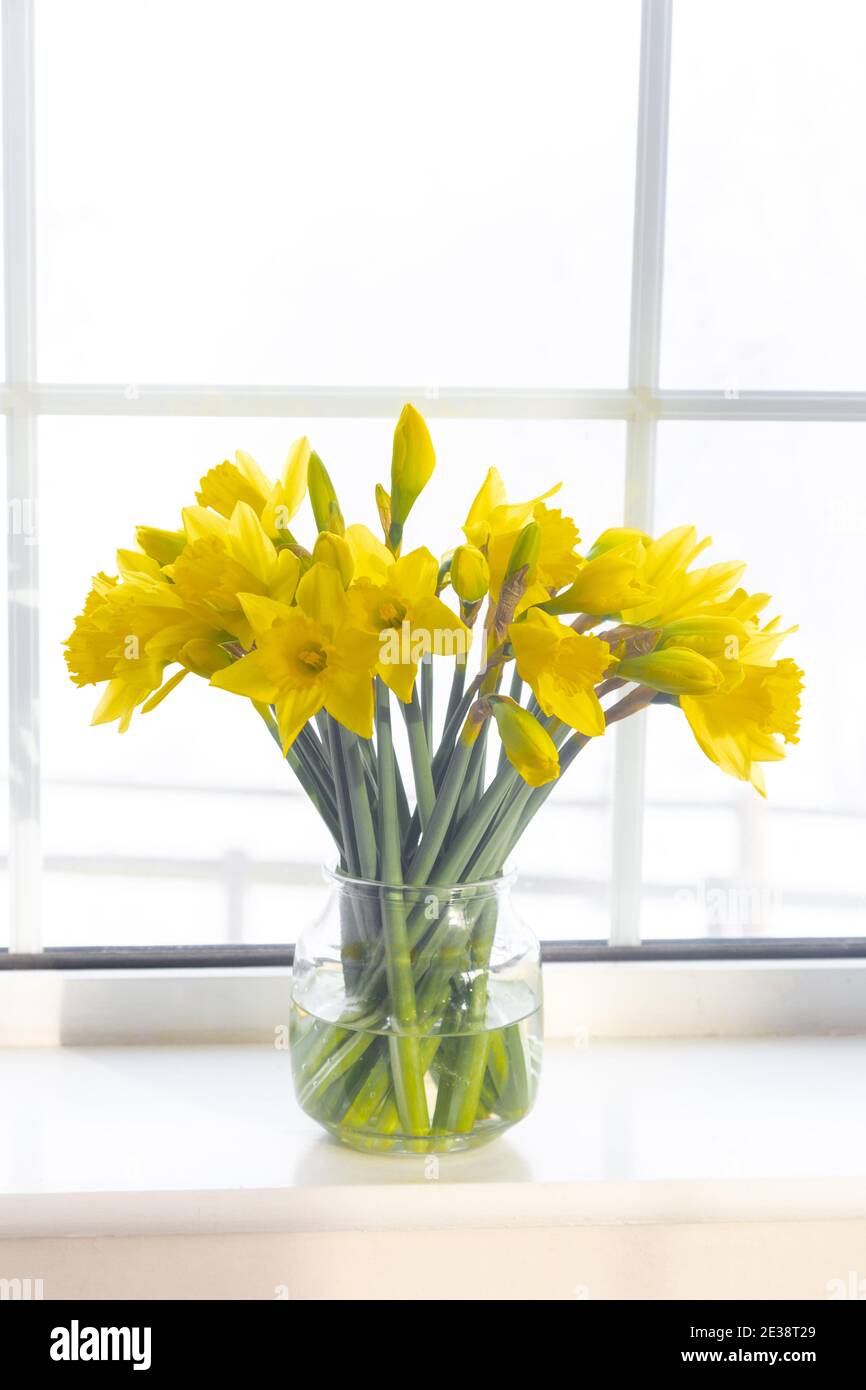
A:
x: 233, y: 957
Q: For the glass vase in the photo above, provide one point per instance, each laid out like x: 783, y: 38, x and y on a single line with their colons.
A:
x: 416, y: 1015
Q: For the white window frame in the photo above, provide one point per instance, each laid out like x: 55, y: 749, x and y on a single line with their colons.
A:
x: 838, y: 996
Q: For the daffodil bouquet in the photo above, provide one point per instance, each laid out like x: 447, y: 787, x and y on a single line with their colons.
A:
x: 412, y: 1022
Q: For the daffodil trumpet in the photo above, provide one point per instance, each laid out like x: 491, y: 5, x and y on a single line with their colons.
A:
x: 262, y: 589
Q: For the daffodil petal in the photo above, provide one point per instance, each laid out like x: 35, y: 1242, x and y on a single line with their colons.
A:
x: 372, y: 560
x: 349, y: 700
x: 246, y: 677
x: 262, y: 612
x: 284, y: 583
x: 399, y: 676
x: 295, y: 707
x: 322, y: 597
x: 250, y: 544
x: 201, y: 524
x: 414, y: 575
x: 166, y: 689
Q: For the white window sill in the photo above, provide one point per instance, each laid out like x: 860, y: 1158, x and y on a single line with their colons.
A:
x: 623, y: 999
x: 145, y: 1140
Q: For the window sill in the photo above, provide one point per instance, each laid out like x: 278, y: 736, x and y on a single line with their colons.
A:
x: 597, y: 999
x: 149, y: 1141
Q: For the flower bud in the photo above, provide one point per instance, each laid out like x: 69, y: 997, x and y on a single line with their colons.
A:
x: 412, y: 464
x: 204, y: 657
x: 528, y: 746
x: 616, y: 536
x: 323, y: 498
x: 526, y: 550
x: 383, y: 507
x: 675, y: 671
x: 333, y: 550
x: 470, y: 573
x: 162, y: 546
x: 718, y: 636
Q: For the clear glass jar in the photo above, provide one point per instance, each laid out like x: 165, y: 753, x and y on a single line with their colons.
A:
x: 416, y: 1015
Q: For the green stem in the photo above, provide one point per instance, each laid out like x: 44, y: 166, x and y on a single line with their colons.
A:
x: 427, y: 697
x: 458, y: 682
x: 342, y: 788
x: 474, y: 783
x: 310, y: 745
x: 419, y: 749
x: 364, y: 830
x: 443, y: 754
x: 404, y: 1044
x: 460, y: 1090
x: 433, y: 838
x: 471, y: 833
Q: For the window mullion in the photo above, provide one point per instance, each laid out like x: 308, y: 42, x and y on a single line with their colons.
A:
x: 644, y: 348
x: 23, y: 565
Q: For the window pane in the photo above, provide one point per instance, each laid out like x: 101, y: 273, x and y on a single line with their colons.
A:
x: 184, y: 828
x: 765, y: 278
x: 719, y: 861
x: 324, y: 193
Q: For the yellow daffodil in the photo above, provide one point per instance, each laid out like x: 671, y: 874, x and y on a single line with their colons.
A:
x: 495, y: 526
x: 226, y: 558
x: 285, y: 497
x: 410, y: 622
x: 728, y: 633
x: 762, y: 643
x: 275, y: 504
x: 740, y: 729
x: 675, y: 590
x: 605, y: 584
x: 312, y: 656
x: 223, y: 487
x: 557, y: 562
x: 490, y: 511
x: 127, y: 634
x: 562, y: 667
x: 234, y: 598
x: 528, y: 746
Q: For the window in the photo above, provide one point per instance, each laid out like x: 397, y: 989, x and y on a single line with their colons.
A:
x: 290, y: 219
